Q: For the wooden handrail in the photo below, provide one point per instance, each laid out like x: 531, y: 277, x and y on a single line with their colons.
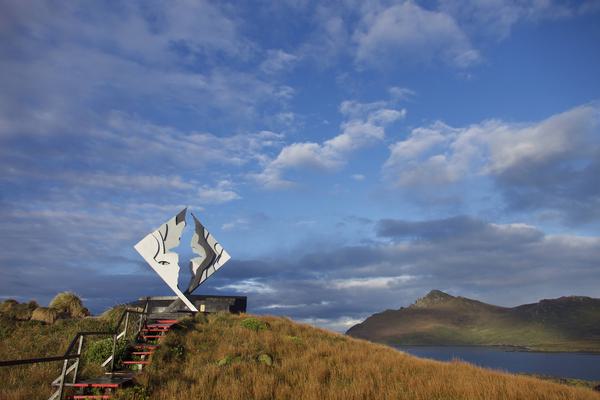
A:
x: 37, y: 360
x: 60, y: 381
x: 67, y: 355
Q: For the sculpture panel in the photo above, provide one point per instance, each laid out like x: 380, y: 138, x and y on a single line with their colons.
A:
x: 156, y: 248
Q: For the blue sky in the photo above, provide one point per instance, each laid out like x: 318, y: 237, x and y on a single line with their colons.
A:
x: 350, y: 156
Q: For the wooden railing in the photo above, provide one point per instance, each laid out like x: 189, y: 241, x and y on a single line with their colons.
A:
x: 78, y: 340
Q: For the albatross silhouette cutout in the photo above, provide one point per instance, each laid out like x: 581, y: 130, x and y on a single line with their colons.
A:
x: 212, y: 255
x: 156, y: 248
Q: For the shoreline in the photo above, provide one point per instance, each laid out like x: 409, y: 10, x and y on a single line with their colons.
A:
x: 505, y: 347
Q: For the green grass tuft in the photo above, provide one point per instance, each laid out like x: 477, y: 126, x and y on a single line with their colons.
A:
x: 254, y: 324
x: 98, y: 351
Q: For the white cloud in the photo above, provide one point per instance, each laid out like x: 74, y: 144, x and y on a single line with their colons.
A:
x: 379, y: 282
x: 400, y: 93
x: 409, y: 33
x: 365, y: 124
x: 562, y: 134
x: 277, y: 61
x: 496, y: 18
x: 294, y: 306
x: 282, y: 306
x: 238, y: 223
x: 442, y: 154
x: 222, y: 193
x: 329, y: 37
x: 339, y: 324
x: 121, y: 55
x: 132, y: 181
x: 358, y: 177
x: 125, y: 135
x: 248, y: 286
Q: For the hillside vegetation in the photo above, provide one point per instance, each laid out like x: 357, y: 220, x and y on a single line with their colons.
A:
x: 563, y: 324
x: 225, y: 356
x: 22, y: 337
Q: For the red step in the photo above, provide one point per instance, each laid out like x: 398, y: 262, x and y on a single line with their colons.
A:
x: 90, y: 396
x: 167, y: 321
x: 154, y: 330
x: 142, y: 353
x: 145, y: 346
x: 98, y: 385
x: 152, y: 336
x: 131, y: 362
x: 113, y: 381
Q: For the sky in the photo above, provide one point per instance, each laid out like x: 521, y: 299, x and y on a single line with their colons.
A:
x: 351, y: 156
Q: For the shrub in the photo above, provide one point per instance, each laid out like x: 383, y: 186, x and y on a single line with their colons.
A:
x: 15, y: 310
x: 113, y: 314
x: 32, y: 305
x: 229, y: 359
x: 177, y: 351
x: 265, y: 359
x: 44, y: 314
x: 98, y: 351
x: 225, y: 360
x: 254, y: 324
x: 69, y: 303
x: 8, y: 305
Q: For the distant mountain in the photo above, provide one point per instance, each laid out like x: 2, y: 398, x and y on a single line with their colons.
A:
x: 565, y: 324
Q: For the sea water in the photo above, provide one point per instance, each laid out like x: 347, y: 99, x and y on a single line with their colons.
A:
x: 563, y: 365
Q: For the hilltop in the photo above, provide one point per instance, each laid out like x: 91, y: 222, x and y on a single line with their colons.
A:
x: 225, y: 356
x: 564, y: 324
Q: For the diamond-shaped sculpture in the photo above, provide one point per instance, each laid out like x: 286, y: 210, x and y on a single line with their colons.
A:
x: 156, y: 248
x: 212, y: 255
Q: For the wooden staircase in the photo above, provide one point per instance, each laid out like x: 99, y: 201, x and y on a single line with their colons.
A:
x: 140, y: 352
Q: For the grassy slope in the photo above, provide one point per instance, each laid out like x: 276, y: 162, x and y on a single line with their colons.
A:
x: 565, y: 324
x: 32, y: 339
x: 217, y: 358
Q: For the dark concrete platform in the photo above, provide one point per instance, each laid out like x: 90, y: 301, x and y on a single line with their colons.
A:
x: 204, y: 303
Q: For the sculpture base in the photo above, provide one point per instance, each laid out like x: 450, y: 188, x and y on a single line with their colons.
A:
x: 208, y: 304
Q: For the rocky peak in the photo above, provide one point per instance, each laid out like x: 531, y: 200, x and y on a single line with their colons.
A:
x: 432, y: 298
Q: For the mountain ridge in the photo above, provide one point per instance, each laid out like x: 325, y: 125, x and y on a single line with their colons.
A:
x: 567, y: 323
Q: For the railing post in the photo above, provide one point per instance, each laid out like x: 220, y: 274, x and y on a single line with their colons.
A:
x: 126, y: 324
x: 114, y: 348
x: 79, y: 348
x: 146, y: 309
x: 143, y: 316
x: 62, y: 379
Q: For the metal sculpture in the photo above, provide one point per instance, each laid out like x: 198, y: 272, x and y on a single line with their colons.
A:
x: 155, y: 249
x: 212, y: 255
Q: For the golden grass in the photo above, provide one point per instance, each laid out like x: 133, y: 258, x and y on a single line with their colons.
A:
x: 20, y: 311
x: 44, y: 314
x: 32, y: 339
x: 218, y: 358
x: 69, y: 303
